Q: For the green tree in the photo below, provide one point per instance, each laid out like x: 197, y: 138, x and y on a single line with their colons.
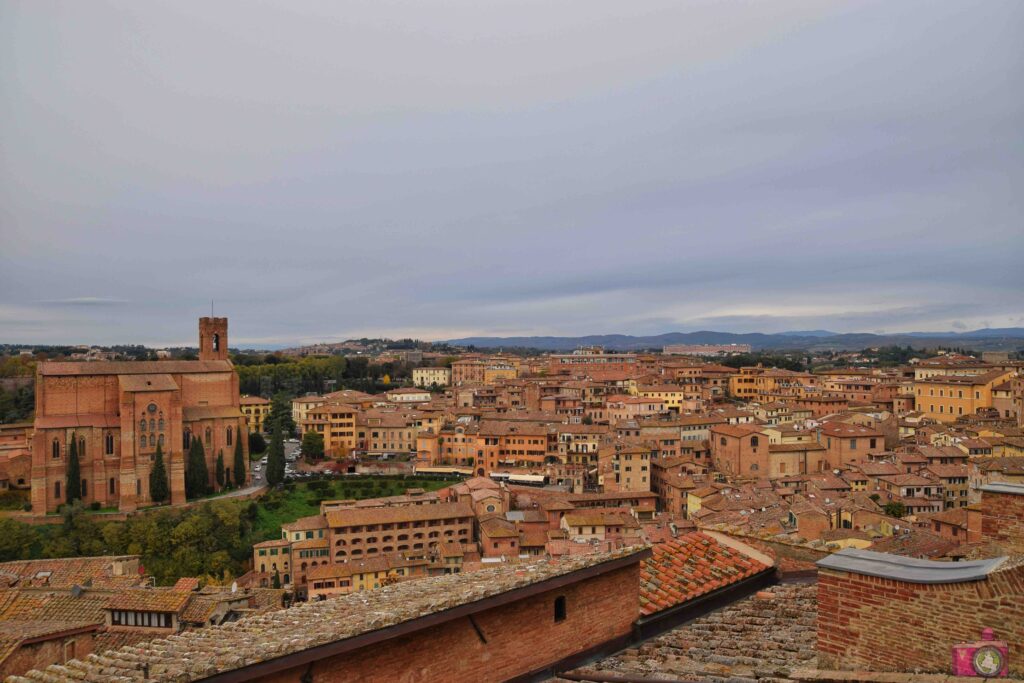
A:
x: 197, y: 476
x: 275, y: 459
x: 238, y: 467
x: 158, y: 488
x: 895, y: 509
x: 276, y: 581
x: 313, y: 446
x: 257, y: 444
x: 74, y: 473
x: 16, y: 540
x: 219, y: 472
x: 281, y: 414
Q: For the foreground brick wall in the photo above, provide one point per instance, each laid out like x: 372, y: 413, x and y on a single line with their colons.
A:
x: 1002, y: 520
x: 521, y: 637
x: 879, y: 624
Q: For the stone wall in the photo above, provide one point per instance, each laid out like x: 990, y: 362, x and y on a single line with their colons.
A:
x: 521, y: 637
x: 866, y: 622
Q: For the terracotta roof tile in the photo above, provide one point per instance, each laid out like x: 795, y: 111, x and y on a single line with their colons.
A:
x: 688, y: 566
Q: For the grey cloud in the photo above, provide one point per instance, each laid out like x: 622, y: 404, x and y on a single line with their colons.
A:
x: 447, y: 169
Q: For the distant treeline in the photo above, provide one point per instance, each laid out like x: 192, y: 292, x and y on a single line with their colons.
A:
x: 272, y: 374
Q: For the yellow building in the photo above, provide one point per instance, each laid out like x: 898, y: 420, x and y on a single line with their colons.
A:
x: 498, y: 371
x: 256, y: 410
x: 302, y: 405
x: 947, y: 397
x: 672, y: 396
x: 756, y: 383
x: 427, y: 377
x: 337, y: 423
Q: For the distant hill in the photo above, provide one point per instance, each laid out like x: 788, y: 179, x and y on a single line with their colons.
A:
x: 1009, y: 338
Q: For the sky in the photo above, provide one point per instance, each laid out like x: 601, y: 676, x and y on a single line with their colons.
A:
x: 327, y: 170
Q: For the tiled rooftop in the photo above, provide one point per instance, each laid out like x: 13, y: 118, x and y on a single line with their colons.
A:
x: 195, y: 655
x: 686, y: 567
x: 762, y: 638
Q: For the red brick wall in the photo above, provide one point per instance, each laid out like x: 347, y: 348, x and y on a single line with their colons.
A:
x: 1002, y: 520
x: 41, y: 655
x: 521, y: 637
x: 879, y: 624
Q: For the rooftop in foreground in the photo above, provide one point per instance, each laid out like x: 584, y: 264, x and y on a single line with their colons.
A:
x: 763, y: 637
x: 355, y: 620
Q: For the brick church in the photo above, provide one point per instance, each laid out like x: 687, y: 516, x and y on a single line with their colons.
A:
x: 120, y: 410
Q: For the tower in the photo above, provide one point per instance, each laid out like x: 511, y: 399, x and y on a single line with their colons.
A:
x: 213, y: 339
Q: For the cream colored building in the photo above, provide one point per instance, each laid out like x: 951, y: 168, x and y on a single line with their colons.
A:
x: 425, y: 377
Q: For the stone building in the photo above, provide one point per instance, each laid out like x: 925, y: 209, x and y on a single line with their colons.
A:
x: 120, y: 411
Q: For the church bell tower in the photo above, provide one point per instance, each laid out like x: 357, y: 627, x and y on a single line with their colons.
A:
x: 213, y: 339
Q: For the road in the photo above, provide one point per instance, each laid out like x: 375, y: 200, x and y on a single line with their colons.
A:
x: 259, y: 479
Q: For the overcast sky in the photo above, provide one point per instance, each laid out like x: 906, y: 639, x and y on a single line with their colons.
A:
x: 439, y: 169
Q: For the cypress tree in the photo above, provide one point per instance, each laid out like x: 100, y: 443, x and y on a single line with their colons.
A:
x: 197, y: 478
x: 220, y: 469
x: 158, y: 489
x: 74, y: 473
x: 239, y: 465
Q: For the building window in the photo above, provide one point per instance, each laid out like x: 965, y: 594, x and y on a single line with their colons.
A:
x: 229, y: 436
x: 84, y: 488
x: 160, y: 440
x: 142, y: 425
x: 209, y: 435
x: 81, y: 448
x: 56, y: 449
x: 142, y: 441
x: 754, y: 442
x: 560, y: 608
x: 110, y: 443
x: 186, y: 439
x: 160, y: 424
x: 111, y: 486
x: 56, y: 489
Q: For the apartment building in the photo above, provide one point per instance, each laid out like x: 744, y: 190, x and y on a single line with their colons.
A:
x: 947, y: 397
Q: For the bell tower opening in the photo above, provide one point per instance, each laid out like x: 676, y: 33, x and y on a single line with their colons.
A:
x: 213, y: 339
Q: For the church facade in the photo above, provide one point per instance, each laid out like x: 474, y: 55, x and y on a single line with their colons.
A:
x: 119, y: 411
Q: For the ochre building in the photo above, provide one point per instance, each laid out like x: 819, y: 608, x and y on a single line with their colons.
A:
x: 120, y: 411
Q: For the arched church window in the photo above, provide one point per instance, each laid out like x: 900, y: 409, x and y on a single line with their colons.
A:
x: 152, y: 425
x: 152, y: 440
x: 216, y: 341
x: 229, y: 436
x: 142, y: 425
x: 110, y: 443
x: 160, y: 424
x: 142, y: 441
x: 161, y: 440
x: 209, y: 435
x: 56, y: 448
